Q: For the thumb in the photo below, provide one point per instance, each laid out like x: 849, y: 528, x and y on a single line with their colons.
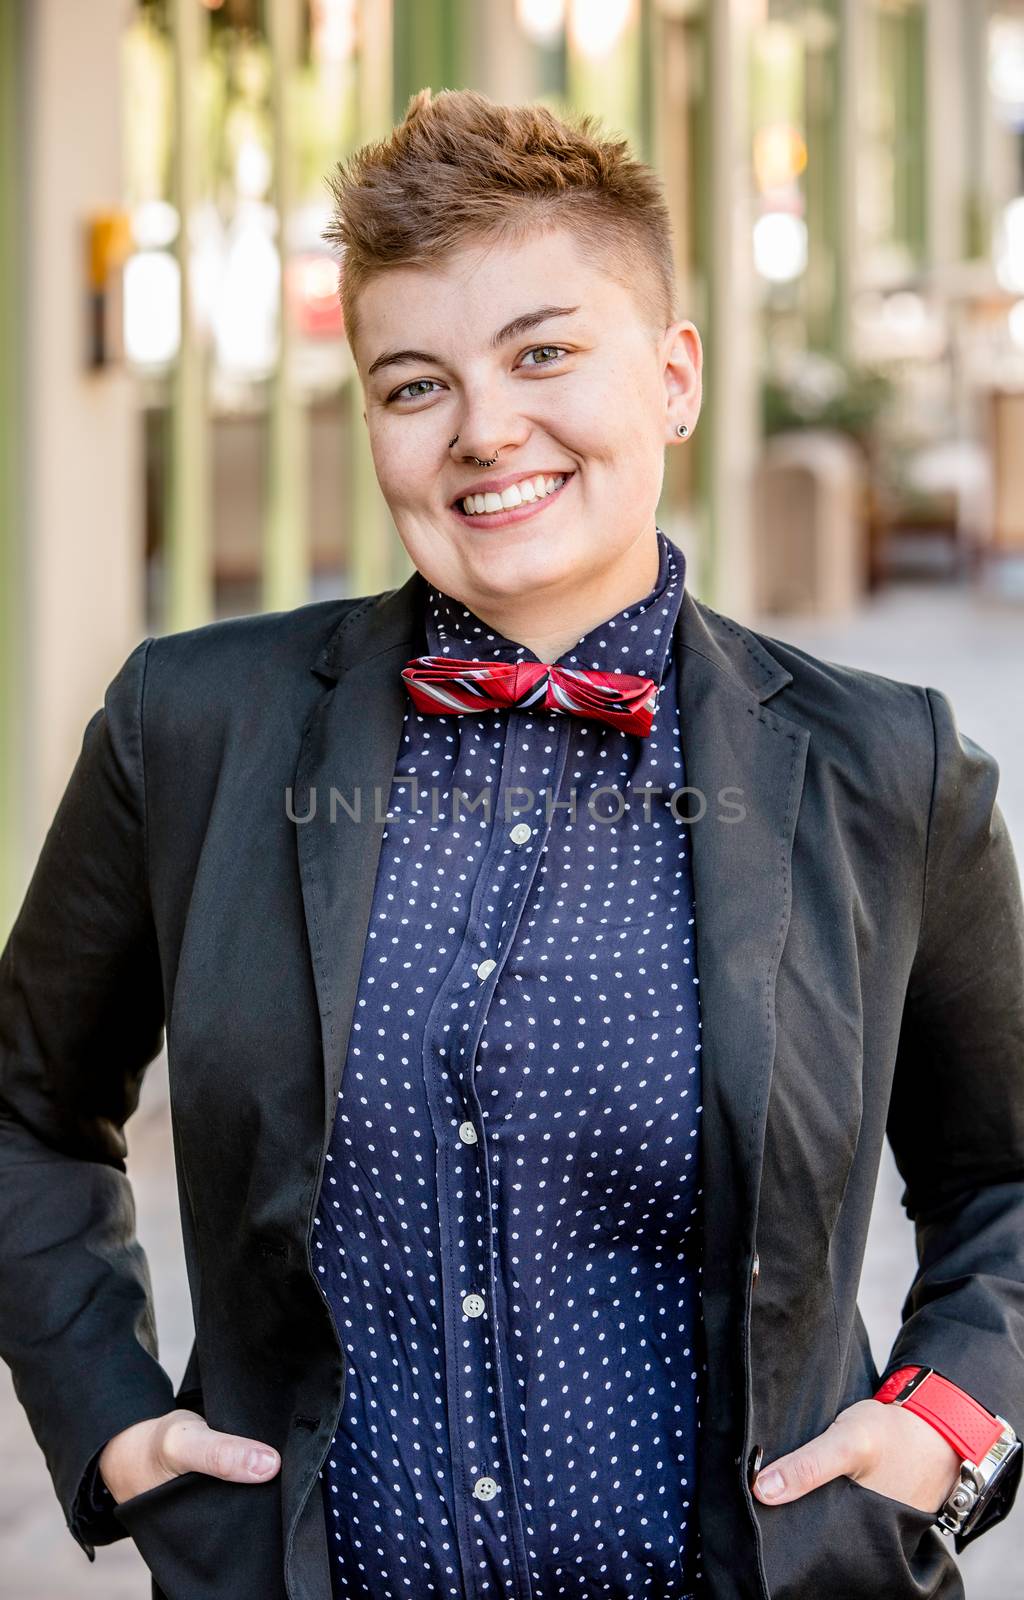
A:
x: 232, y: 1456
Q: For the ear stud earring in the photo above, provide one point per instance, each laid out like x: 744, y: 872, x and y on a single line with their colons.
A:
x: 682, y: 430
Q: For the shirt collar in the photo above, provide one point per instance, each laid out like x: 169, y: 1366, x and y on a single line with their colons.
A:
x: 635, y: 640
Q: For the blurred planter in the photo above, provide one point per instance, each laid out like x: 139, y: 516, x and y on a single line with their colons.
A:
x: 811, y: 535
x: 804, y: 389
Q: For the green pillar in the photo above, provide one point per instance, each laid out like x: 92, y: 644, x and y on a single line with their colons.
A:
x: 709, y: 308
x: 822, y: 291
x: 432, y: 46
x: 611, y: 84
x: 286, y: 545
x: 977, y: 201
x: 725, y: 312
x: 188, y: 556
x: 902, y: 59
x: 12, y: 521
x: 911, y: 170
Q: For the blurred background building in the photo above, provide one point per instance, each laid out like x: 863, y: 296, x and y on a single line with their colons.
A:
x: 180, y: 421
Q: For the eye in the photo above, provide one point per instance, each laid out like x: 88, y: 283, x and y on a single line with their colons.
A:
x: 415, y: 384
x: 559, y: 349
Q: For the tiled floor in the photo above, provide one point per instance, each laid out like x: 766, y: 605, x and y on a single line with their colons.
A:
x: 970, y: 647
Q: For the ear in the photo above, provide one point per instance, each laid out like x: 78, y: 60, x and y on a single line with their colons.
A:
x: 683, y: 358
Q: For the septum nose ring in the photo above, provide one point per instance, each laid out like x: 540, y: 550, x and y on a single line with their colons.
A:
x: 479, y: 463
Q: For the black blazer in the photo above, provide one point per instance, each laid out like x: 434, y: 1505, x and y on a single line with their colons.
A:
x: 861, y: 957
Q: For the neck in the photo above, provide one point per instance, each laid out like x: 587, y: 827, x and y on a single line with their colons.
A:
x: 549, y: 625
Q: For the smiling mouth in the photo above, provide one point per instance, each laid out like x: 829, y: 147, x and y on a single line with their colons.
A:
x: 522, y: 496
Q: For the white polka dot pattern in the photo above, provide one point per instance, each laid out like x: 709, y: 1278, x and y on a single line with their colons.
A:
x: 508, y: 1229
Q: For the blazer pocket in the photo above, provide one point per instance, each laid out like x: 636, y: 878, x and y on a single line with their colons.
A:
x: 852, y: 1543
x: 920, y: 1551
x: 204, y: 1538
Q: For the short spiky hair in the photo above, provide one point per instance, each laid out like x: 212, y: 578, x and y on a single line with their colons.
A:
x: 459, y: 168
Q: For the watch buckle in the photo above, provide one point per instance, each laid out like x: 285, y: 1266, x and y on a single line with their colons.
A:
x: 911, y: 1384
x: 957, y: 1512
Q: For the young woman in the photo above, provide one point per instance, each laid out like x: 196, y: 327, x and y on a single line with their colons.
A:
x: 543, y: 958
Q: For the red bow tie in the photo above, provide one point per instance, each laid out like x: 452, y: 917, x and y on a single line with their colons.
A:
x: 443, y: 685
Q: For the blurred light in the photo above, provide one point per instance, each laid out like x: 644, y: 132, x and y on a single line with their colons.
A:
x: 151, y: 308
x: 332, y: 26
x: 780, y: 155
x: 253, y: 170
x: 777, y: 44
x: 1017, y: 324
x: 780, y: 246
x: 1006, y: 65
x: 313, y: 303
x: 541, y: 20
x: 1009, y: 247
x: 154, y: 225
x: 206, y: 240
x: 596, y: 26
x: 905, y: 313
x: 245, y: 311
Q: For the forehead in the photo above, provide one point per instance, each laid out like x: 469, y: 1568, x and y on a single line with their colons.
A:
x: 463, y: 298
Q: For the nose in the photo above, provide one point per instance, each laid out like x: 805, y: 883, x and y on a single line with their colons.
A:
x: 484, y: 436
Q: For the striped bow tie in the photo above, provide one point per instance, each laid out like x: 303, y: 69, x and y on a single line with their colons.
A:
x: 444, y: 685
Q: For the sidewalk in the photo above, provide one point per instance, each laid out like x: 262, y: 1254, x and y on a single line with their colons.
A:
x: 974, y: 652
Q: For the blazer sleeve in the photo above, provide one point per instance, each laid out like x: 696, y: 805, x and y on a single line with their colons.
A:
x: 81, y: 1017
x: 956, y: 1116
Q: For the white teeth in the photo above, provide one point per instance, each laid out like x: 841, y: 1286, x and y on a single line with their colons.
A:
x: 524, y: 493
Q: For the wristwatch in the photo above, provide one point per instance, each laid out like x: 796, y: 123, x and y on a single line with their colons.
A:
x: 986, y: 1443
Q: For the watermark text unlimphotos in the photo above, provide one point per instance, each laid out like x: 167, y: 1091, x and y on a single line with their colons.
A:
x: 606, y: 803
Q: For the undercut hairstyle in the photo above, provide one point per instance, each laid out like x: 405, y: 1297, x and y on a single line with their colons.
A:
x: 460, y: 169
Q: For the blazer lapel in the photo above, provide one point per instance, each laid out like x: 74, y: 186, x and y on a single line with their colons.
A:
x: 343, y: 779
x: 737, y: 752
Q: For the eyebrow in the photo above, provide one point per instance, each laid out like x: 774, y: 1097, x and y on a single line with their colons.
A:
x: 511, y: 330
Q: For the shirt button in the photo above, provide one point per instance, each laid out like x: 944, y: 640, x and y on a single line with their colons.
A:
x: 485, y: 968
x: 756, y: 1270
x: 485, y: 1488
x: 467, y: 1133
x: 474, y: 1305
x: 520, y: 833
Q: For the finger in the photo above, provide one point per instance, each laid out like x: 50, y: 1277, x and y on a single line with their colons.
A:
x: 231, y: 1456
x: 817, y: 1462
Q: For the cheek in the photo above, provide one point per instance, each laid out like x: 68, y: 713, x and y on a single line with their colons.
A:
x: 401, y: 469
x: 605, y: 420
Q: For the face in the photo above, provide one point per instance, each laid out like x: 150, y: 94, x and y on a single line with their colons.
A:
x: 582, y: 389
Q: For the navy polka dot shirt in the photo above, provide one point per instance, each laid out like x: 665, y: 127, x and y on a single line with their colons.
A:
x: 508, y: 1231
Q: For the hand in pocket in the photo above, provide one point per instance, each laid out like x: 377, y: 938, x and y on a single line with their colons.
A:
x: 152, y: 1452
x: 881, y: 1447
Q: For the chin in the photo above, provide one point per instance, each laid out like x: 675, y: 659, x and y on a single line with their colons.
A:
x: 512, y: 570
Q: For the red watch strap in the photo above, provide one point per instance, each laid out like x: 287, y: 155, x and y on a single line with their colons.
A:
x: 962, y: 1422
